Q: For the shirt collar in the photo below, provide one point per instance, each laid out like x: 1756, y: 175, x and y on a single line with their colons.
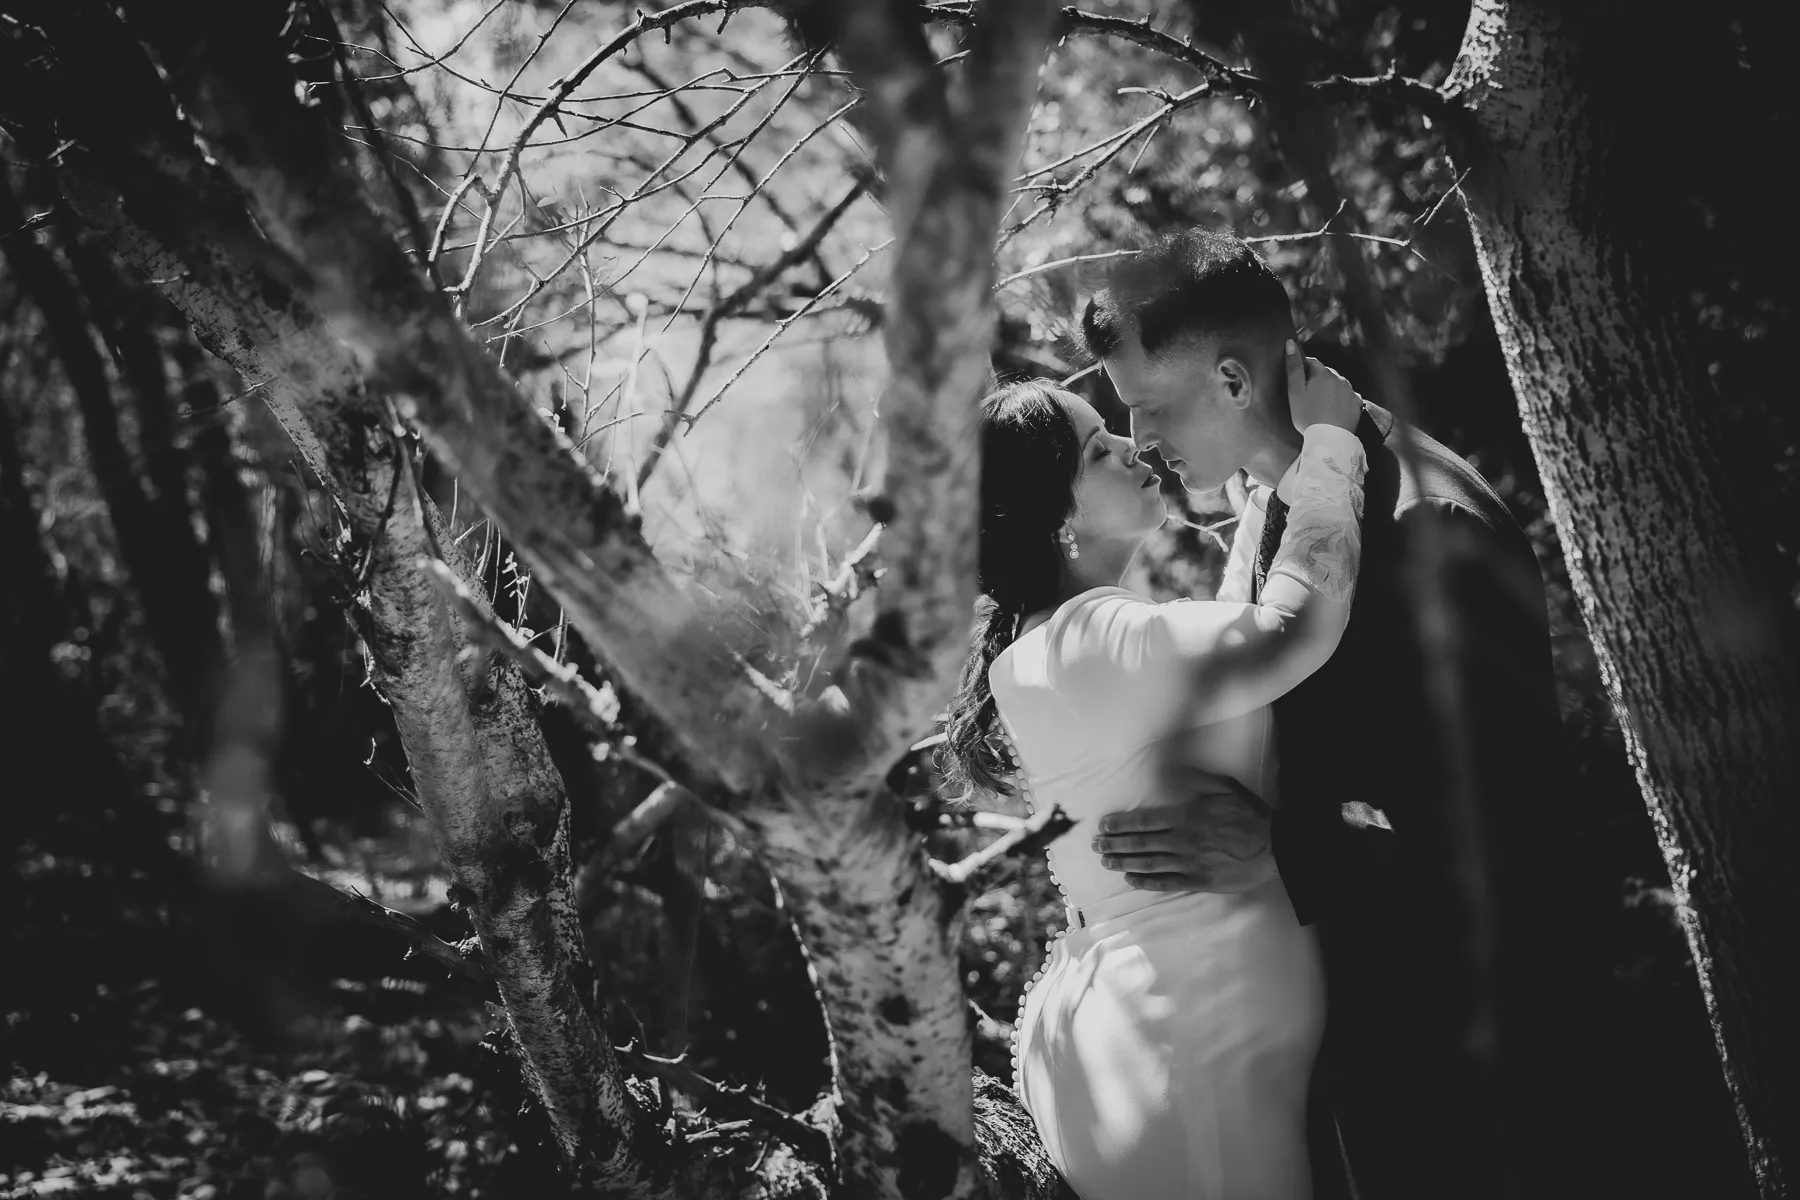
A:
x: 1289, y: 482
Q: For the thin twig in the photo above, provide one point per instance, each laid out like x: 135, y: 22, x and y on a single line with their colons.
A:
x: 1028, y: 272
x: 646, y: 188
x: 432, y: 61
x: 854, y: 574
x: 807, y: 247
x: 787, y: 321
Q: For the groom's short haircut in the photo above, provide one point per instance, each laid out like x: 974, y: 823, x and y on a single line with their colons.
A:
x: 1191, y: 283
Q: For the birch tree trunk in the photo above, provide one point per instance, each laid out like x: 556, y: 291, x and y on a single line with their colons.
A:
x: 1554, y: 122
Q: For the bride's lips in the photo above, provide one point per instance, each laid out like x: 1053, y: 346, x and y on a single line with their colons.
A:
x: 1150, y: 480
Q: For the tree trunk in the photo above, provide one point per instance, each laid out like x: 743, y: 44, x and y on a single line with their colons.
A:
x: 182, y: 619
x: 43, y: 716
x: 127, y: 316
x: 1557, y: 111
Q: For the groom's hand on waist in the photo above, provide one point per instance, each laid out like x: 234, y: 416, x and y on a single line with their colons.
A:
x: 1218, y: 841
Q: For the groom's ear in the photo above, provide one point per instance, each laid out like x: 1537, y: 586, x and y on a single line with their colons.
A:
x: 1234, y: 374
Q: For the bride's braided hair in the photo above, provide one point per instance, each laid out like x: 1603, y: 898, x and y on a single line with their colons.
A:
x: 1030, y: 460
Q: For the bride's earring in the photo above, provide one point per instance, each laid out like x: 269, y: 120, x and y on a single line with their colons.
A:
x: 1069, y: 546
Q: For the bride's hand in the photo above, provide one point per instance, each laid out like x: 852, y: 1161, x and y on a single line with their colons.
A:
x: 1318, y: 395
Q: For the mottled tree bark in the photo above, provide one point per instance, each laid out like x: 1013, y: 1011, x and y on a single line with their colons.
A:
x: 881, y: 931
x: 1557, y: 126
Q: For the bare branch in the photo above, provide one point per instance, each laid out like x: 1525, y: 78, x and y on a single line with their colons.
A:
x: 854, y: 575
x: 1029, y: 837
x: 631, y: 831
x: 787, y: 322
x: 656, y: 809
x: 362, y: 909
x: 1390, y: 89
x: 592, y: 707
x: 774, y: 203
x: 759, y: 185
x: 645, y: 23
x: 997, y: 1034
x: 809, y: 1139
x: 1058, y: 193
x: 1028, y: 272
x: 807, y: 247
x: 649, y: 186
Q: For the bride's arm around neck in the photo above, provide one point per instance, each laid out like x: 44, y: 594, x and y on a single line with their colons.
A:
x: 1212, y: 660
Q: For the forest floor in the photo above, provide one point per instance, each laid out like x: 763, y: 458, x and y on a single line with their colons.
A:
x: 167, y: 1043
x: 141, y: 1070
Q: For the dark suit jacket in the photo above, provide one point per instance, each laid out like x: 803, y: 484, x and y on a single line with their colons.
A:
x: 1363, y: 814
x: 1377, y: 857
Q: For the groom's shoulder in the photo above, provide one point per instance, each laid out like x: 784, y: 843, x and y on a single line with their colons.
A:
x: 1425, y: 472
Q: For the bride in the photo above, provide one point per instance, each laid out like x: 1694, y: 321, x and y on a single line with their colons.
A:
x: 1166, y: 1048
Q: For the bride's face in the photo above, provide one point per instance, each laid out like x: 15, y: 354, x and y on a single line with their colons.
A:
x: 1116, y: 495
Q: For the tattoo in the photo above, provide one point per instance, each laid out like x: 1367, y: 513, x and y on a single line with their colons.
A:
x: 1323, y: 541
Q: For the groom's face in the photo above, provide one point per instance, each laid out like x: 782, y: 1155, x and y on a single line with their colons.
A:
x: 1186, y: 403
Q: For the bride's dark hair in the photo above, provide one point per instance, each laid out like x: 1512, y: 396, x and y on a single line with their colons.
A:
x: 1030, y: 460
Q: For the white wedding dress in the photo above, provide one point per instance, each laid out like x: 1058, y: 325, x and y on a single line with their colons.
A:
x: 1164, y: 1052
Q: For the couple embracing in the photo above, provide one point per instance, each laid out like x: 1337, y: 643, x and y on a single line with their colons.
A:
x: 1265, y: 988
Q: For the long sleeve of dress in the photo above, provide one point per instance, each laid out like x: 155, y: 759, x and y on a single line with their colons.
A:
x: 1145, y: 669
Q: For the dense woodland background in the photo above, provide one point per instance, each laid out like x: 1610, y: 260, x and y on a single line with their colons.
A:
x: 699, y: 229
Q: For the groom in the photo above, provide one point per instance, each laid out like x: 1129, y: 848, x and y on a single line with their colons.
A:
x: 1366, y: 837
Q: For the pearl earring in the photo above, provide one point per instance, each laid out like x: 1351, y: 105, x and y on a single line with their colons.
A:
x: 1074, y: 551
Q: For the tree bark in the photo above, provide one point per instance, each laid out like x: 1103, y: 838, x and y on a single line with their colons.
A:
x: 1557, y: 112
x: 880, y: 930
